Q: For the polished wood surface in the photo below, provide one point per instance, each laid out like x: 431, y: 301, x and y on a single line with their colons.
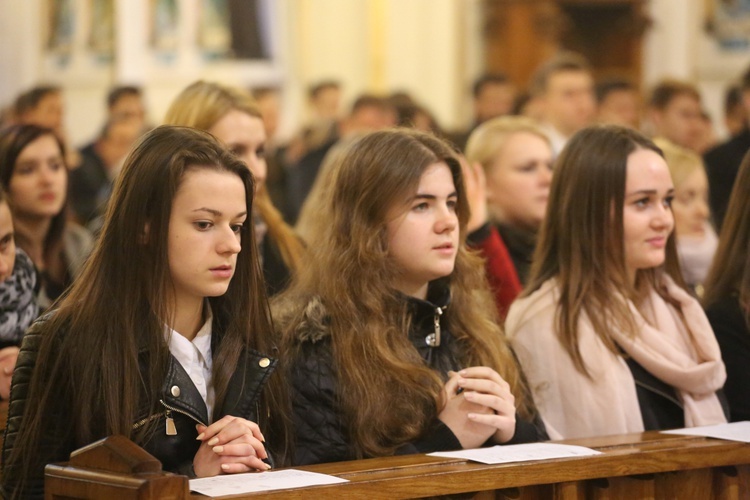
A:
x: 521, y: 34
x: 647, y: 465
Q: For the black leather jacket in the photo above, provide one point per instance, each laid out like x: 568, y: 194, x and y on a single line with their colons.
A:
x: 174, y: 441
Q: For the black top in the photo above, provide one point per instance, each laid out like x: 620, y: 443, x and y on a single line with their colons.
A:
x: 89, y: 186
x: 301, y: 177
x: 722, y: 164
x: 275, y: 271
x: 521, y: 245
x: 730, y: 327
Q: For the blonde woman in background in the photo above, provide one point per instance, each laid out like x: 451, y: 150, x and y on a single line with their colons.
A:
x: 696, y: 238
x: 233, y: 117
x: 516, y: 157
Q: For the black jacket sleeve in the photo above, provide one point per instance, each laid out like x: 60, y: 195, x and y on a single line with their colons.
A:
x: 728, y: 322
x: 529, y: 431
x: 56, y: 441
x: 438, y: 437
x: 441, y: 438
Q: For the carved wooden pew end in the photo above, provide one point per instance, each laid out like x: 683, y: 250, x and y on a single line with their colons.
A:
x: 113, y: 467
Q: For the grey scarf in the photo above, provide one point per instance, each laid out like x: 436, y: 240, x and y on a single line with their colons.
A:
x: 18, y: 308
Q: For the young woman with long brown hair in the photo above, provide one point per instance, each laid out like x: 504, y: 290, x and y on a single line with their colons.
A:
x: 35, y: 178
x: 161, y: 337
x: 727, y: 295
x: 609, y: 339
x: 391, y: 332
x: 233, y: 117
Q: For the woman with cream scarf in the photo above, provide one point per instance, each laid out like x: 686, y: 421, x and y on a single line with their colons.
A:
x: 609, y: 340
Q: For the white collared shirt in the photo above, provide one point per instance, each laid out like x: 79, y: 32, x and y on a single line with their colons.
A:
x: 556, y: 138
x: 195, y: 358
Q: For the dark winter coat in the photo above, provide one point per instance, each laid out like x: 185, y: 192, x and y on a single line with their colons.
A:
x: 321, y: 434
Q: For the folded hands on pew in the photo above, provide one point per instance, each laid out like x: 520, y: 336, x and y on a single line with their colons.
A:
x: 229, y: 446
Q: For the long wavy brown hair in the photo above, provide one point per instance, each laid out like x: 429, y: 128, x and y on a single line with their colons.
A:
x: 201, y: 105
x: 377, y: 366
x: 581, y: 241
x: 730, y: 272
x: 88, y: 357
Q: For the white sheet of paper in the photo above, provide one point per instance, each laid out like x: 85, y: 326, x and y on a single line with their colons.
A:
x: 235, y: 484
x: 736, y: 431
x: 518, y: 453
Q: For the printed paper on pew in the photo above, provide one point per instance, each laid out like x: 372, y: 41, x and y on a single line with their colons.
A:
x: 518, y: 453
x: 236, y: 484
x: 736, y: 431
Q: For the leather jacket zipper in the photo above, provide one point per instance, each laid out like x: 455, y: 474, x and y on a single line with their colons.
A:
x: 144, y: 421
x: 171, y: 429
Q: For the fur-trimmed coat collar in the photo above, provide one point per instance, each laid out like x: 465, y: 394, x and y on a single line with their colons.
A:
x: 315, y: 323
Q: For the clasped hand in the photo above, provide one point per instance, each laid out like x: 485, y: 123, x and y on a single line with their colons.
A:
x: 479, y: 406
x: 230, y: 445
x: 8, y: 357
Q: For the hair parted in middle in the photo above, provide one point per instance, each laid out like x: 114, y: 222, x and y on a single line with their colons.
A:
x: 119, y: 306
x: 201, y: 105
x: 581, y: 241
x: 13, y: 140
x: 369, y: 320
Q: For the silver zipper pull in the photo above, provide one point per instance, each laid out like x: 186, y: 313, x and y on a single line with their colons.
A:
x: 433, y: 339
x: 171, y: 429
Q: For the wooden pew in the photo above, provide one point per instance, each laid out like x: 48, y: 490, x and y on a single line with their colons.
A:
x: 114, y: 468
x: 648, y: 465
